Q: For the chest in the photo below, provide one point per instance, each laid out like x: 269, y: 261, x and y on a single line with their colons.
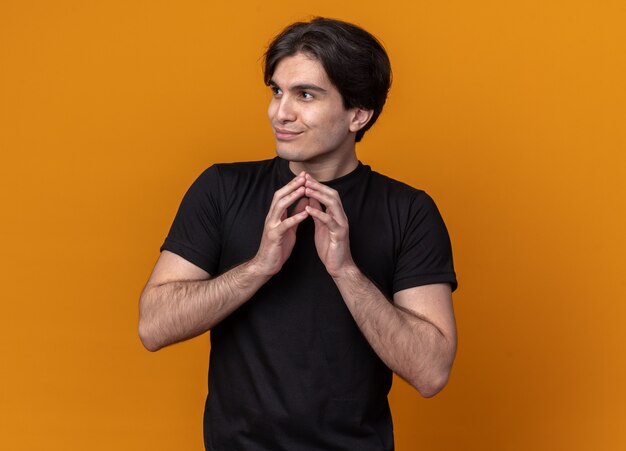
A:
x: 374, y: 234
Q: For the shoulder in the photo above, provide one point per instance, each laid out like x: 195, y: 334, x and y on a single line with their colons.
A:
x: 412, y: 209
x: 226, y: 176
x: 424, y: 252
x: 400, y: 192
x: 246, y: 166
x: 237, y: 169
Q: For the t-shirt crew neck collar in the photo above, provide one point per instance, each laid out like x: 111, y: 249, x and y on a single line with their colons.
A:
x: 340, y: 182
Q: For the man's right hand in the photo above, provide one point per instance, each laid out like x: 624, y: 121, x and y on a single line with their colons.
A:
x: 279, y: 232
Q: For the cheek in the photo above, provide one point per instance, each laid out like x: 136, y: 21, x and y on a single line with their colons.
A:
x: 318, y: 120
x: 334, y: 125
x: 271, y: 109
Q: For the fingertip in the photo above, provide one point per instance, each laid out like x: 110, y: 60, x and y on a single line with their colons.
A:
x: 301, y: 216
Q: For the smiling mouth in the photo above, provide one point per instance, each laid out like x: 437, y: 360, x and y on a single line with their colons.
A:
x: 285, y: 135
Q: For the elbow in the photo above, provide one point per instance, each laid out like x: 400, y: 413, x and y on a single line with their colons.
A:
x: 429, y: 383
x: 148, y: 340
x: 432, y: 385
x: 146, y: 329
x: 436, y: 378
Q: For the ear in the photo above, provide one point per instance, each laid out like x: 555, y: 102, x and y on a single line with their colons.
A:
x: 360, y: 118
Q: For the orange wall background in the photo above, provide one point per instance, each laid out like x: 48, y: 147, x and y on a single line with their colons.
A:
x: 510, y: 114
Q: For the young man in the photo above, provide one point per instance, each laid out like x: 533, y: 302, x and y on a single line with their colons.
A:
x: 316, y: 275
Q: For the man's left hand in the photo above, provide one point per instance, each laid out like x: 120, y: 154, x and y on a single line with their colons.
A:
x: 331, y: 227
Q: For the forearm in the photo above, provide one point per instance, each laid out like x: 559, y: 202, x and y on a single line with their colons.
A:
x: 178, y: 310
x: 410, y: 345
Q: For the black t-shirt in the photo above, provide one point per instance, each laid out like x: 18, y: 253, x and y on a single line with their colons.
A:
x: 290, y: 369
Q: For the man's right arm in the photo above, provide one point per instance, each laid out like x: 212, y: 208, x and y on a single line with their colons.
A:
x: 181, y: 300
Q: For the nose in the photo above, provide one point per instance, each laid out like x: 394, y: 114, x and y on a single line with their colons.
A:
x: 285, y: 111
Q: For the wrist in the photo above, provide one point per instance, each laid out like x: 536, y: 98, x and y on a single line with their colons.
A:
x: 258, y: 269
x: 347, y: 271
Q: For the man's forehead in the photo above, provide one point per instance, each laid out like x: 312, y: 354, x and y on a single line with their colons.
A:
x: 300, y: 69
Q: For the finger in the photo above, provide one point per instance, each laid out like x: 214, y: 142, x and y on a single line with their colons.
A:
x: 310, y: 182
x: 315, y: 204
x: 293, y: 185
x: 300, y: 206
x: 324, y: 218
x: 331, y: 201
x: 291, y: 221
x: 278, y: 209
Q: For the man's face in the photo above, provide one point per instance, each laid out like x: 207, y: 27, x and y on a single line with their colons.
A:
x: 307, y: 114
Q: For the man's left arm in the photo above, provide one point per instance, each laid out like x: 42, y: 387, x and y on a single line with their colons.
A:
x: 415, y: 336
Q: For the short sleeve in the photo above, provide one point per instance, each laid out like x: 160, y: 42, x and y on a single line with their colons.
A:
x: 195, y: 233
x: 425, y: 254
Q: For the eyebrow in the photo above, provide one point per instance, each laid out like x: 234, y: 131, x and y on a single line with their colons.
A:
x: 301, y: 87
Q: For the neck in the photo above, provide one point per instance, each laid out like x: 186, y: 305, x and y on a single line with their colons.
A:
x: 325, y: 171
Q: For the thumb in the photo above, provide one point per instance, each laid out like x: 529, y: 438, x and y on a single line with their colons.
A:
x: 300, y: 206
x: 315, y: 204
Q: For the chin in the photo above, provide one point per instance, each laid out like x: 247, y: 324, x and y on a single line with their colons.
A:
x: 289, y: 154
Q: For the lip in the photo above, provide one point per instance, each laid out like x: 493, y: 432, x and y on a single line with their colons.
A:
x: 285, y: 135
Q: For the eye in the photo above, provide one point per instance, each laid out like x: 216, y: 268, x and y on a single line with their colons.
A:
x: 276, y: 91
x: 306, y: 95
